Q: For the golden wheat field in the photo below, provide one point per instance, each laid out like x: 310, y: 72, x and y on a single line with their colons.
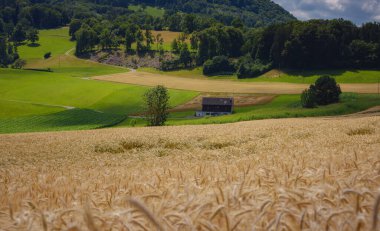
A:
x: 288, y: 174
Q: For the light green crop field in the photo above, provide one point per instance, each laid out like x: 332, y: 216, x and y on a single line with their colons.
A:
x: 283, y: 106
x: 49, y: 101
x: 309, y: 77
x: 286, y: 106
x: 42, y: 101
x: 67, y: 65
x: 62, y: 61
x: 153, y: 11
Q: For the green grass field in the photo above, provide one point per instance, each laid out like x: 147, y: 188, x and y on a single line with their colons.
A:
x: 56, y: 41
x: 38, y: 100
x: 62, y: 61
x: 286, y: 106
x: 283, y: 106
x: 34, y: 101
x: 153, y: 11
x: 309, y: 77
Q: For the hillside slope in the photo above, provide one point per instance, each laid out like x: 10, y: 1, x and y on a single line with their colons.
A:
x: 52, y: 13
x: 251, y: 12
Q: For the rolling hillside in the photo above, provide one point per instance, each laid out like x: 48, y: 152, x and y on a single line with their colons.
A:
x: 253, y: 13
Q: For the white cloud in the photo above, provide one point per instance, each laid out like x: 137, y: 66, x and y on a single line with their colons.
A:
x: 335, y: 4
x: 358, y: 11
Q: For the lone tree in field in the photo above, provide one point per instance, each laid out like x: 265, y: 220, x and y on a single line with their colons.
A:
x: 325, y: 91
x: 157, y: 105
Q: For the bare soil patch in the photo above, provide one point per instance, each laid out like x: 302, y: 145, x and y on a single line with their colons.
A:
x: 119, y: 58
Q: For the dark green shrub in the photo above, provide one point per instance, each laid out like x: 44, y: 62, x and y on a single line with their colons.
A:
x: 19, y: 64
x: 308, y: 99
x: 251, y: 69
x: 327, y: 91
x: 218, y: 64
x: 170, y: 65
x: 47, y: 55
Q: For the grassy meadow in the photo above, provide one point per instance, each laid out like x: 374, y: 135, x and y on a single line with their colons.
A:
x: 31, y: 98
x: 153, y: 11
x: 43, y: 101
x: 283, y: 106
x: 67, y: 99
x: 56, y: 41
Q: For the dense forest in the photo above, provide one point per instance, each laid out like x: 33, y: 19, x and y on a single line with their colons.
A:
x: 19, y: 19
x: 51, y: 13
x: 218, y: 45
x: 313, y: 44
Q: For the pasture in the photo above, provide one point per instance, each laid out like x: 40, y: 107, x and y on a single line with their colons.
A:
x: 152, y: 11
x: 287, y: 174
x: 45, y: 101
x: 52, y: 101
x: 282, y: 106
x: 56, y: 41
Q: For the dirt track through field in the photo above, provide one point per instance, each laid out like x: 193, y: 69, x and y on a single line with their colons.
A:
x: 149, y: 79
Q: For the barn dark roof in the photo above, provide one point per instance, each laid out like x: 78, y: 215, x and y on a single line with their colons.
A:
x: 218, y: 101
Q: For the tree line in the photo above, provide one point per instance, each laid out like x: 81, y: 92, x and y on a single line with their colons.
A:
x: 310, y: 44
x: 249, y: 52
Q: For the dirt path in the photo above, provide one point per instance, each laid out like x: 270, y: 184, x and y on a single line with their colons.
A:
x: 69, y: 51
x: 204, y: 85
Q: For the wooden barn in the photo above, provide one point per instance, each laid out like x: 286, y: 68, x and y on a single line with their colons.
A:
x: 216, y: 106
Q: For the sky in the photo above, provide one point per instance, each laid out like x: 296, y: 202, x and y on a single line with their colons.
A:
x: 357, y: 11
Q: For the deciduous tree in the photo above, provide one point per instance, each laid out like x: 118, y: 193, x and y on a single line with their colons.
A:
x: 157, y: 105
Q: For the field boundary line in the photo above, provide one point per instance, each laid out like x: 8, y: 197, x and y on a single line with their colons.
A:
x: 40, y: 104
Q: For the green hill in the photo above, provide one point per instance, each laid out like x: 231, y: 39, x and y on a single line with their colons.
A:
x: 52, y: 13
x: 251, y: 12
